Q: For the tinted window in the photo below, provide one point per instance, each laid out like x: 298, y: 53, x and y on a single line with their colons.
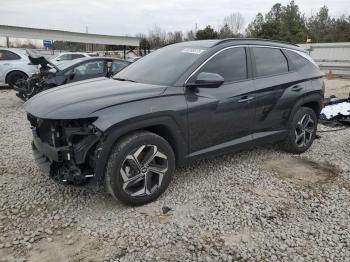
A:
x: 75, y: 56
x: 65, y: 57
x: 91, y: 68
x: 8, y: 55
x: 164, y: 66
x: 269, y: 61
x: 231, y: 64
x: 299, y: 62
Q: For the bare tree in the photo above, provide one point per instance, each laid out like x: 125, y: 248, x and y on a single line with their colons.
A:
x: 190, y: 35
x: 175, y: 37
x: 235, y: 22
x: 157, y: 37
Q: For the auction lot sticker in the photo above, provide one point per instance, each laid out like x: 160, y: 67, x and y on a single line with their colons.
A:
x: 192, y: 51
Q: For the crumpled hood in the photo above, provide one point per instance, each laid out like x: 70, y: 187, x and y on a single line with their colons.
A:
x: 85, y: 98
x: 36, y: 59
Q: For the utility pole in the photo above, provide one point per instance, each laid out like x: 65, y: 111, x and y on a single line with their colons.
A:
x: 86, y: 44
x: 7, y: 42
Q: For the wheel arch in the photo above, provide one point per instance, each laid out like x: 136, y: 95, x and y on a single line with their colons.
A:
x: 164, y: 126
x: 13, y: 71
x: 314, y: 105
x: 313, y: 101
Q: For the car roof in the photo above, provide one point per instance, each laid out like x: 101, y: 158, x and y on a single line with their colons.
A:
x: 71, y: 63
x: 81, y: 53
x: 240, y: 41
x: 19, y: 50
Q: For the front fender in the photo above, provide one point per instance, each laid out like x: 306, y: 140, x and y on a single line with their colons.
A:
x: 169, y: 112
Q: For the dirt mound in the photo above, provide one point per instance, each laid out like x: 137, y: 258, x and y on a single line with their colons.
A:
x: 302, y: 171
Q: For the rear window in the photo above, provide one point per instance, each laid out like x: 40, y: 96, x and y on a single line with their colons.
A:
x: 269, y: 61
x: 75, y: 56
x: 299, y: 62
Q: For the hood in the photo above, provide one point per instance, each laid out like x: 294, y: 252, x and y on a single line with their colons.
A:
x: 40, y: 60
x: 84, y: 99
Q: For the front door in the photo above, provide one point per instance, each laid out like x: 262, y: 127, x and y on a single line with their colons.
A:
x: 221, y: 117
x: 88, y: 70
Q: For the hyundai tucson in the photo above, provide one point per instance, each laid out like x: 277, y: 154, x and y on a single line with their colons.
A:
x: 186, y: 101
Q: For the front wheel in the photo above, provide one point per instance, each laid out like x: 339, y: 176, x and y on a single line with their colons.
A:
x: 139, y: 168
x: 14, y: 77
x: 302, y: 131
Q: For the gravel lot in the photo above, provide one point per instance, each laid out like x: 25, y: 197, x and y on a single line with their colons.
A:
x: 257, y: 205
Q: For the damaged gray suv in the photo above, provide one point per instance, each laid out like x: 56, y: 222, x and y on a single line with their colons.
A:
x: 183, y: 102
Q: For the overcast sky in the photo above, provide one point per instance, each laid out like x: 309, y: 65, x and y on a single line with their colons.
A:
x: 128, y: 17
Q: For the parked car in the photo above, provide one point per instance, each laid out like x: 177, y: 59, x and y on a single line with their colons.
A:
x: 14, y: 66
x: 68, y: 56
x: 185, y: 101
x: 52, y: 75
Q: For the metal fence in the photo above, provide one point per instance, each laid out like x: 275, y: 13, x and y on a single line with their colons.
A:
x: 331, y: 56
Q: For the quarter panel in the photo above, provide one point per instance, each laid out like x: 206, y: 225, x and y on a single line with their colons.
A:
x: 276, y: 96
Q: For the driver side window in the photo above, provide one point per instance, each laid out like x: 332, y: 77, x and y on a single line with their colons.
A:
x: 90, y: 68
x: 231, y: 64
x: 65, y: 57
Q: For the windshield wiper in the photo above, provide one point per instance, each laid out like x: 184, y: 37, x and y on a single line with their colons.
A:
x: 124, y: 79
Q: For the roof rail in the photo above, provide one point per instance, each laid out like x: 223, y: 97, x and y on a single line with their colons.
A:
x: 258, y: 39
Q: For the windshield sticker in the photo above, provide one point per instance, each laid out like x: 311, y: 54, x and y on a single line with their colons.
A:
x: 193, y: 51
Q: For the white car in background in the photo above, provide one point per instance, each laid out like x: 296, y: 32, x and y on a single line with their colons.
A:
x: 14, y: 66
x: 67, y: 56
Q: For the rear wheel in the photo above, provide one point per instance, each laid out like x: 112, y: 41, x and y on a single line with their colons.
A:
x: 302, y: 131
x: 139, y: 168
x: 13, y: 77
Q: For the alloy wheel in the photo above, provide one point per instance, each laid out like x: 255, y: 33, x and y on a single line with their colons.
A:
x: 142, y: 171
x: 304, y: 131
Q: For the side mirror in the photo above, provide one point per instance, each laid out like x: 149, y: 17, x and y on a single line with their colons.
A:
x: 58, y: 59
x: 208, y: 80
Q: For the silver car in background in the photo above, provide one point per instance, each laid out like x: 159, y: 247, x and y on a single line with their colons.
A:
x: 14, y: 66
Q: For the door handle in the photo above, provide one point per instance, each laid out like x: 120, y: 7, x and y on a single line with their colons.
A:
x: 297, y: 88
x: 246, y: 99
x: 7, y: 64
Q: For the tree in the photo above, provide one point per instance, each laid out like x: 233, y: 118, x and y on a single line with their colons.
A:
x: 157, y: 37
x: 190, y: 36
x: 235, y: 22
x: 320, y: 26
x: 206, y: 33
x: 174, y: 37
x: 254, y: 29
x: 144, y: 44
x: 225, y: 32
x: 293, y: 24
x: 340, y: 30
x: 284, y: 23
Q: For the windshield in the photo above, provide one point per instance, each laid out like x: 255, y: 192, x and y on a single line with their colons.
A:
x: 162, y: 67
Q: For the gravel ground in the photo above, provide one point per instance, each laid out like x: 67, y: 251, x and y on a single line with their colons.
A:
x: 257, y: 205
x: 338, y: 86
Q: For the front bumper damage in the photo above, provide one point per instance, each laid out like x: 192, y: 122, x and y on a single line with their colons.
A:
x: 69, y: 156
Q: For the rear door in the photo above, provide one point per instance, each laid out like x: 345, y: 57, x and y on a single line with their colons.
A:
x: 221, y: 117
x: 277, y: 88
x: 8, y: 60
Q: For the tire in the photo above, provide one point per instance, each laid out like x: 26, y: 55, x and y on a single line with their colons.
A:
x: 302, y: 131
x: 136, y: 159
x: 14, y: 76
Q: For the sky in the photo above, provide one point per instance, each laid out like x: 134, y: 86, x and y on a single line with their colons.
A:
x: 129, y: 17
